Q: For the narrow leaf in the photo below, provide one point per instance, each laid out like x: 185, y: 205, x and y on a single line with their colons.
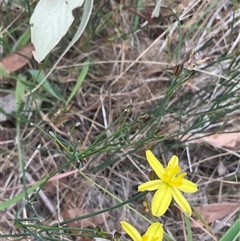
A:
x: 39, y: 76
x: 79, y: 82
x: 233, y: 233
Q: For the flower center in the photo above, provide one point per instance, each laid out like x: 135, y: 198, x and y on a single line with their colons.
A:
x: 173, y: 176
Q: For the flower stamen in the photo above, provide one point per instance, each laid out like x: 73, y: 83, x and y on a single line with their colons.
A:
x: 173, y: 176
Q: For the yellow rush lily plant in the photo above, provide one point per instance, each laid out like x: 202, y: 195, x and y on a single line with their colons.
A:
x: 169, y: 185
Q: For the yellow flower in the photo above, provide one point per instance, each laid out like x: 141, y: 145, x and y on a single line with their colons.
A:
x: 169, y: 186
x: 154, y: 232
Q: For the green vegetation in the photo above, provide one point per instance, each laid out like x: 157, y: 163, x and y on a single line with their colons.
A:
x: 75, y: 145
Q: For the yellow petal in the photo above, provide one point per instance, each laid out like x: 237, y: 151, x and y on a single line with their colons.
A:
x: 155, y: 164
x: 150, y: 186
x: 161, y: 200
x: 173, y: 162
x: 188, y: 186
x: 181, y: 201
x: 154, y: 232
x: 131, y: 231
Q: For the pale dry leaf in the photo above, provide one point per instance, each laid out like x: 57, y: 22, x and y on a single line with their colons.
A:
x: 229, y: 140
x: 221, y: 169
x: 50, y: 22
x: 8, y: 105
x: 15, y: 61
x: 51, y: 180
x: 213, y: 212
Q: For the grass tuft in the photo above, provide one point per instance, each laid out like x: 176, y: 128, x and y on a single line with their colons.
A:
x: 75, y: 146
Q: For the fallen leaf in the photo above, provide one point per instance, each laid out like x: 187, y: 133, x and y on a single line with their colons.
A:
x: 52, y: 186
x: 52, y: 179
x: 214, y: 211
x: 49, y: 23
x: 8, y: 105
x: 221, y: 169
x: 229, y: 140
x: 17, y: 60
x: 85, y: 237
x: 69, y: 213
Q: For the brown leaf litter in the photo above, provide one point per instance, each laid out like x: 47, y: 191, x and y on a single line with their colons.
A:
x: 213, y: 212
x: 17, y: 60
x: 229, y: 140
